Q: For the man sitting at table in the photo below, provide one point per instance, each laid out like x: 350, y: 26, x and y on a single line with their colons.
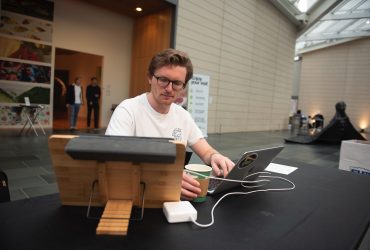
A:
x: 154, y: 114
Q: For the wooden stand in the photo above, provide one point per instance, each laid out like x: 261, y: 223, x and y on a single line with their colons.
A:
x: 119, y: 184
x: 115, y: 218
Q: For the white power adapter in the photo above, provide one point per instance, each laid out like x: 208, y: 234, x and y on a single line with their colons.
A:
x: 179, y: 211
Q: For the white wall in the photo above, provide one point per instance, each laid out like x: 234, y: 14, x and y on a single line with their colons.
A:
x: 337, y: 73
x: 83, y: 27
x: 247, y: 49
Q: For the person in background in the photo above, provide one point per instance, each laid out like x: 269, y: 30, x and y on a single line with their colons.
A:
x: 74, y: 101
x: 93, y: 97
x: 154, y: 114
x: 299, y: 117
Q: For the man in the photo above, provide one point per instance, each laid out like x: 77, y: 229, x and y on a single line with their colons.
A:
x: 92, y: 97
x: 154, y: 114
x: 74, y: 101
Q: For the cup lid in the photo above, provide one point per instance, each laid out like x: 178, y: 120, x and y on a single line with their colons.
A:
x: 198, y: 167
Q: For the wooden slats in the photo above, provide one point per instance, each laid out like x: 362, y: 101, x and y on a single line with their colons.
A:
x: 115, y: 218
x: 147, y: 28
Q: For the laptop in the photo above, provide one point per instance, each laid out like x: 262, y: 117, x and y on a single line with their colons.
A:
x: 251, y: 162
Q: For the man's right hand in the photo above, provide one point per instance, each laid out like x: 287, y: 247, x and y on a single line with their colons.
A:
x: 190, y: 188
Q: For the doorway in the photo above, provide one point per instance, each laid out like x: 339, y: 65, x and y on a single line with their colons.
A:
x: 70, y: 64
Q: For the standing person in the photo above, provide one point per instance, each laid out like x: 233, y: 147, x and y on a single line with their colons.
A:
x: 92, y: 97
x: 74, y: 101
x: 154, y: 114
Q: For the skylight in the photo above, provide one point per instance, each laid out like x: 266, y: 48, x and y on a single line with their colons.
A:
x: 303, y: 5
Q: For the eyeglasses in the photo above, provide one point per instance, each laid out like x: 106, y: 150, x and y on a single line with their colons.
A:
x: 163, y: 82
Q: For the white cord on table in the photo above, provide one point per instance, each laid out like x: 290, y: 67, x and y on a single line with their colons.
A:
x: 243, y: 183
x: 229, y: 180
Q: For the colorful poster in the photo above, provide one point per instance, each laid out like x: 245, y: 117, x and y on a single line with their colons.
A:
x: 197, y: 104
x: 24, y: 26
x: 23, y: 72
x: 12, y: 115
x: 13, y: 48
x: 15, y: 93
x: 43, y: 9
x: 25, y: 35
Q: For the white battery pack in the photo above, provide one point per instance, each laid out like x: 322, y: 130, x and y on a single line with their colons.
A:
x: 180, y: 211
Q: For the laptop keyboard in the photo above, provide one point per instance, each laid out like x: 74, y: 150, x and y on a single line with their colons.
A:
x: 213, y: 183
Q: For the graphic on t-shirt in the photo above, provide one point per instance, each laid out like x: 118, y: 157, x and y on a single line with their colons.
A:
x: 177, y: 134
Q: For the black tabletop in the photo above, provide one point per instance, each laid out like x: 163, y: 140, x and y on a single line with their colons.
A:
x: 329, y: 209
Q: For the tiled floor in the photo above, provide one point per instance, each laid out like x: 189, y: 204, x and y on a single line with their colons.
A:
x: 27, y: 162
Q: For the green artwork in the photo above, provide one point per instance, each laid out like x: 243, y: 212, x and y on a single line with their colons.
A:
x: 15, y: 93
x: 37, y: 95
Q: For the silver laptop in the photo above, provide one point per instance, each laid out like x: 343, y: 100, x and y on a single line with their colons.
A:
x: 251, y: 162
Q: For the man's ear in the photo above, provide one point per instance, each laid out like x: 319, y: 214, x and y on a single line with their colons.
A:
x: 149, y: 77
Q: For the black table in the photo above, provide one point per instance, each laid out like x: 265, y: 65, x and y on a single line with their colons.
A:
x: 329, y: 209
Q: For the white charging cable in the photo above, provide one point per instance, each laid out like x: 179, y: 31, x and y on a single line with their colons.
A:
x: 242, y: 193
x: 230, y: 180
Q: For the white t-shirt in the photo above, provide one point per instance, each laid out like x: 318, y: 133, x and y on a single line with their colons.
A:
x: 78, y: 94
x: 136, y: 117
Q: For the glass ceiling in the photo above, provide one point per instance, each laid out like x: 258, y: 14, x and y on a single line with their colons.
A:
x: 323, y: 23
x: 303, y: 5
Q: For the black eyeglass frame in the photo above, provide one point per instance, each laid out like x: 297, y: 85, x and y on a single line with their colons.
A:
x: 164, y: 81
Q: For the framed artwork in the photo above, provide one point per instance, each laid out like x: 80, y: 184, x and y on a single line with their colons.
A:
x: 13, y: 24
x: 43, y: 9
x: 24, y: 72
x: 18, y: 49
x: 15, y: 93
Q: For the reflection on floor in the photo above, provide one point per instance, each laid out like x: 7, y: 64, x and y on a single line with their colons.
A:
x: 63, y: 123
x: 27, y: 162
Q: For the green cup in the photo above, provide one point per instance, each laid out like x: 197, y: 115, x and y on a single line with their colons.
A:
x: 201, y: 173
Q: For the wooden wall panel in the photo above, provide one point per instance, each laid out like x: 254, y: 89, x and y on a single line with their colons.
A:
x: 151, y: 34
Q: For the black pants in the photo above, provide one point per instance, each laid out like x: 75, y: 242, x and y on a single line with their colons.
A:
x: 95, y: 107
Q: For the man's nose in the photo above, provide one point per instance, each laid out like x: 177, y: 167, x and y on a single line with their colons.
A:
x: 169, y: 87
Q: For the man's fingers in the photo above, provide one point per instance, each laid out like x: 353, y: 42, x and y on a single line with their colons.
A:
x: 220, y: 162
x: 229, y: 165
x: 189, y: 179
x: 187, y: 195
x: 216, y: 168
x: 189, y: 187
x: 225, y: 170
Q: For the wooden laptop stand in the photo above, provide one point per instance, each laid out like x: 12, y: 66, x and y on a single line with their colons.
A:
x: 121, y: 185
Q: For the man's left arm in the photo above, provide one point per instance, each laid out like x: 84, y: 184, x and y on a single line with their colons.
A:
x: 221, y: 164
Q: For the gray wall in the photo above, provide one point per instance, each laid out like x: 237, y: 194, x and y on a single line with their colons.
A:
x: 247, y: 49
x: 334, y: 74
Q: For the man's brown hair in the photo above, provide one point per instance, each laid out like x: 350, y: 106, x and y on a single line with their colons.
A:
x: 171, y: 57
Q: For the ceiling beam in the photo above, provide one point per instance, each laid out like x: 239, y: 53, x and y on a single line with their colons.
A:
x: 324, y: 45
x: 360, y: 15
x: 317, y: 12
x: 341, y: 35
x: 289, y: 10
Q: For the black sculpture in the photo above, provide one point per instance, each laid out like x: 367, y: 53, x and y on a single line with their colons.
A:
x: 340, y: 128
